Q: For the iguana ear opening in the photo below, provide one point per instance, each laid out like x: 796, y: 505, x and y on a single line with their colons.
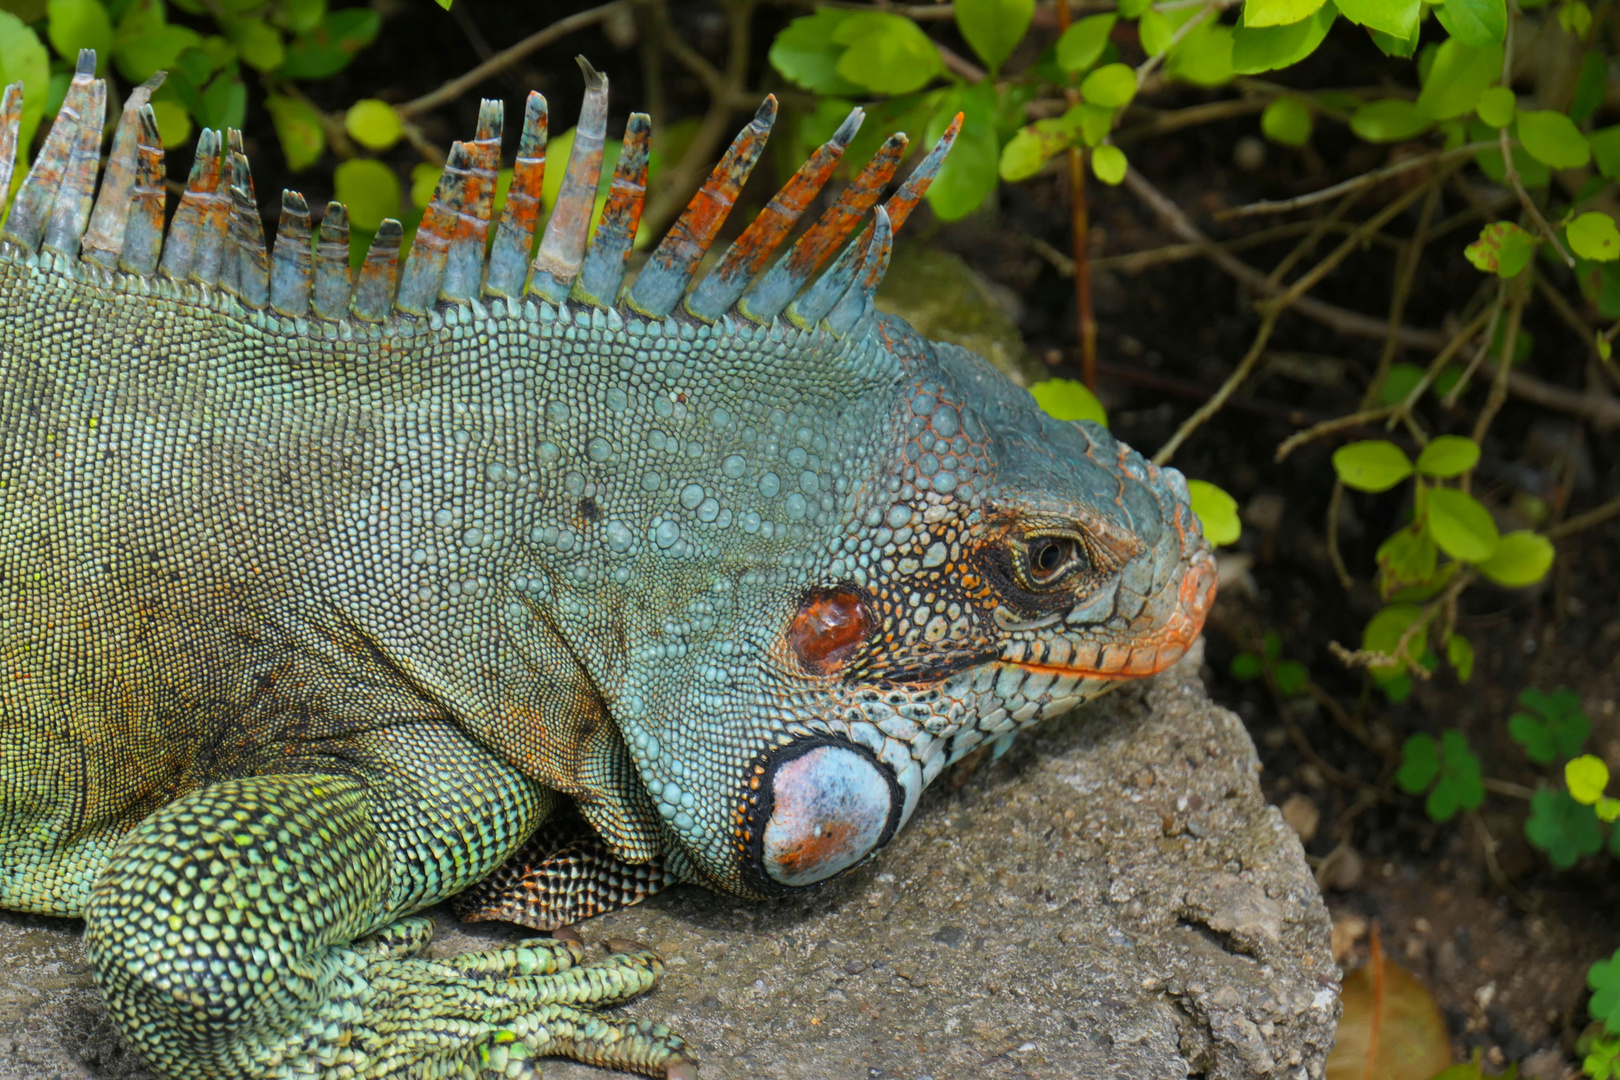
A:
x: 815, y: 808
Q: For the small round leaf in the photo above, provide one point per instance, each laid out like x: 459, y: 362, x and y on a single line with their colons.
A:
x: 1496, y: 106
x: 885, y: 52
x: 1066, y: 399
x: 1503, y: 249
x: 1083, y: 43
x: 1448, y: 456
x: 1593, y: 236
x: 1553, y: 139
x: 1586, y: 776
x: 298, y: 126
x: 1112, y: 85
x: 79, y: 24
x: 373, y: 124
x: 1287, y: 120
x: 369, y: 189
x: 1217, y: 512
x: 174, y: 123
x: 1371, y: 465
x: 1461, y: 526
x: 1108, y: 162
x: 1521, y: 558
x: 1388, y: 120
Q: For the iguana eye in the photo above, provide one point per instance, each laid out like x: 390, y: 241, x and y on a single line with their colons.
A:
x: 1049, y: 559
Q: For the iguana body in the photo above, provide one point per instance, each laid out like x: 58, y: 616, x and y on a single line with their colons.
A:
x: 314, y: 596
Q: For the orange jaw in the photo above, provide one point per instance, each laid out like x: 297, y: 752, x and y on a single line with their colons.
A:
x: 1155, y: 652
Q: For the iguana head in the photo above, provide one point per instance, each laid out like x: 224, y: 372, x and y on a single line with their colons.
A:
x: 997, y: 568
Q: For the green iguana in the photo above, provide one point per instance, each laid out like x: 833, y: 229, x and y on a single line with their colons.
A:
x: 320, y: 596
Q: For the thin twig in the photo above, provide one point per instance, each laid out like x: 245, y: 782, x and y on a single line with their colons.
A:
x: 504, y: 59
x: 1587, y: 334
x: 1406, y: 265
x: 1510, y: 172
x: 1328, y: 427
x: 1504, y: 367
x: 960, y: 64
x: 1508, y: 788
x: 1228, y: 388
x: 1145, y: 68
x: 1596, y: 516
x: 1279, y: 206
x: 1335, y: 556
x: 1080, y: 239
x: 1478, y: 360
x: 1323, y: 225
x: 1172, y: 120
x: 1489, y: 845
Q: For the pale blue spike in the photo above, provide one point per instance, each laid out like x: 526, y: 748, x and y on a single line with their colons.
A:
x: 514, y: 236
x: 185, y: 231
x: 1001, y: 744
x: 816, y: 301
x: 25, y: 225
x: 424, y: 266
x: 603, y: 272
x: 70, y: 210
x: 562, y: 250
x: 859, y: 299
x: 290, y: 269
x: 331, y: 297
x: 374, y: 287
x: 464, y: 266
x: 110, y: 220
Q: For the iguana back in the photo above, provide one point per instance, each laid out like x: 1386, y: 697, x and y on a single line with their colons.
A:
x: 316, y: 593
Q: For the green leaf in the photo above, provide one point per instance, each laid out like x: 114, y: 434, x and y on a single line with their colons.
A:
x: 1217, y: 512
x: 1603, y: 979
x: 1606, y: 151
x: 373, y: 124
x: 1292, y: 678
x: 1155, y: 30
x: 1083, y: 42
x: 1460, y: 655
x: 1260, y: 13
x: 1388, y: 120
x: 1287, y: 120
x: 1109, y: 164
x: 1133, y: 9
x: 80, y: 24
x: 1112, y: 86
x: 1461, y: 526
x: 1066, y: 399
x: 994, y: 27
x: 1474, y: 22
x: 1593, y: 236
x: 1459, y: 786
x: 1553, y: 139
x: 1246, y: 666
x: 1590, y: 87
x: 174, y: 122
x: 1420, y: 764
x: 1575, y: 17
x: 1447, y: 456
x: 444, y: 3
x: 1390, y: 45
x: 1203, y: 57
x: 1371, y: 465
x: 1399, y: 382
x: 1383, y: 633
x: 1406, y: 559
x: 968, y: 174
x: 1554, y: 725
x: 257, y: 42
x: 1562, y: 827
x: 1496, y: 106
x: 370, y: 189
x: 330, y: 47
x: 1608, y: 810
x: 1397, y: 18
x: 1459, y: 75
x: 1521, y: 558
x: 1586, y: 776
x: 806, y: 54
x: 23, y: 59
x: 145, y: 44
x: 1271, y: 644
x: 1262, y: 48
x: 1034, y: 144
x: 298, y: 126
x: 1503, y: 248
x: 886, y: 53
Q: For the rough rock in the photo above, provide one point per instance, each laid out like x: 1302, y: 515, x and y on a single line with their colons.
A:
x: 1112, y: 898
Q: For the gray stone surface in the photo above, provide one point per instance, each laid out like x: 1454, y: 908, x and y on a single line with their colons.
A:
x: 1113, y: 898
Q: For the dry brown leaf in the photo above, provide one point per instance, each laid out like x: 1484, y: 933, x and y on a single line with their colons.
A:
x: 1391, y: 1028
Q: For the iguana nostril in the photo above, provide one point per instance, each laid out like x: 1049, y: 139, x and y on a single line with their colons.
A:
x: 830, y: 804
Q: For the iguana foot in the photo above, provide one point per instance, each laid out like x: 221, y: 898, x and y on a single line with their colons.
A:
x: 502, y: 1008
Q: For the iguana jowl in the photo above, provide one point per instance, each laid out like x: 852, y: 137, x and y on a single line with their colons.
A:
x: 316, y: 595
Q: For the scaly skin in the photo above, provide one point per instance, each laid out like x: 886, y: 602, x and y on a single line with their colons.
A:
x: 307, y: 625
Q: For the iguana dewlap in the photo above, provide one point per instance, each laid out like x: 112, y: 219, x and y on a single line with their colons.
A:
x: 317, y: 592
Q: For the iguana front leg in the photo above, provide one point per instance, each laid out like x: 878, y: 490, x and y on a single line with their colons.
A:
x: 229, y: 935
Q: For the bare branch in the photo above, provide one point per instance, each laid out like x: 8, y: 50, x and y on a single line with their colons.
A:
x: 1279, y: 206
x: 504, y: 59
